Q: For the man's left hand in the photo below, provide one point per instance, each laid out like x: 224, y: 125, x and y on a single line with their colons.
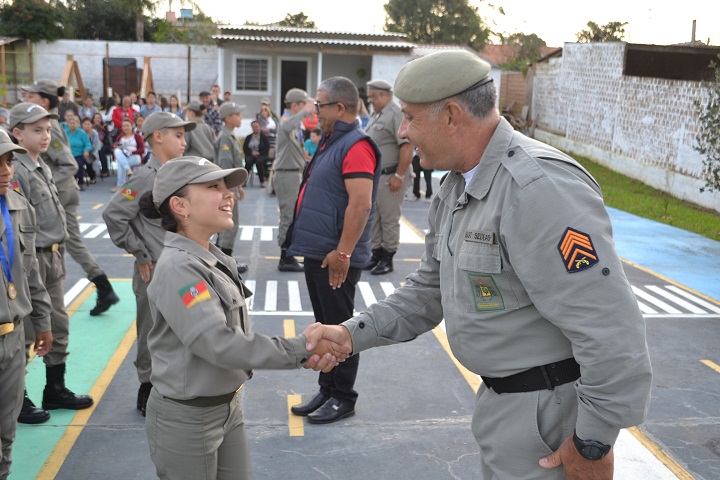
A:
x: 578, y: 467
x: 395, y: 184
x: 337, y: 269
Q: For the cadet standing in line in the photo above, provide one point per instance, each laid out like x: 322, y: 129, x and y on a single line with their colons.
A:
x: 519, y: 260
x: 200, y: 141
x: 64, y: 167
x: 140, y: 236
x: 394, y: 177
x: 31, y: 126
x: 288, y: 168
x: 22, y: 295
x: 200, y: 341
x: 228, y: 154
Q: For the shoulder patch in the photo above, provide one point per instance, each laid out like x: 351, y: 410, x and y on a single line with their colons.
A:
x: 15, y: 186
x: 128, y: 193
x: 577, y: 250
x: 194, y: 293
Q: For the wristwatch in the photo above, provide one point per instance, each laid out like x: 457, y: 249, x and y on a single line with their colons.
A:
x: 343, y: 257
x: 590, y: 449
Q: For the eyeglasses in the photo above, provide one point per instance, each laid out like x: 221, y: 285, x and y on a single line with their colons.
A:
x: 318, y: 106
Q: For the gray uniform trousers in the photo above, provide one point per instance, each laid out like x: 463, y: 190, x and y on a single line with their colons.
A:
x: 197, y: 442
x: 12, y: 385
x: 143, y: 324
x: 70, y: 200
x: 226, y: 238
x: 287, y: 186
x: 388, y: 208
x: 515, y: 430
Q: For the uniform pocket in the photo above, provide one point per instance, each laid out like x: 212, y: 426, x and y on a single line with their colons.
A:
x: 483, y: 284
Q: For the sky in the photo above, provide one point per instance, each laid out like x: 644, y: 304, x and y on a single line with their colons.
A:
x: 660, y: 22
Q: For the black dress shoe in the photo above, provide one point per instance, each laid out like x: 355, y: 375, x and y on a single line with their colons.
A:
x: 332, y: 411
x: 242, y: 267
x: 310, y: 406
x: 30, y: 414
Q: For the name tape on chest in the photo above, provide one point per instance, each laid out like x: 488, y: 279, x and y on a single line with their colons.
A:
x: 577, y: 250
x: 480, y: 237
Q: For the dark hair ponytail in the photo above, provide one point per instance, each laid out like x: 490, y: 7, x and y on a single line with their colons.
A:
x: 168, y: 221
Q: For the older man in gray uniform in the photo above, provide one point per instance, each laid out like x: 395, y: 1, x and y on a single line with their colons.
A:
x: 200, y: 142
x: 394, y: 175
x: 289, y: 166
x: 63, y: 165
x: 519, y: 260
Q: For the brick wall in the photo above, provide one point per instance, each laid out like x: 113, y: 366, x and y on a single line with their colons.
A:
x: 642, y: 127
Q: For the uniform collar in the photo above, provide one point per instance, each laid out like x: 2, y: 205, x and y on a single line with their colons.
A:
x: 211, y: 257
x: 154, y: 162
x: 28, y: 162
x: 491, y: 160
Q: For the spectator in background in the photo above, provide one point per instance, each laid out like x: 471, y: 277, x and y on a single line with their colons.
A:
x: 108, y: 109
x: 215, y: 96
x: 80, y: 147
x: 312, y: 143
x: 4, y: 114
x: 309, y: 124
x: 150, y: 106
x: 268, y: 125
x: 123, y: 112
x: 94, y: 164
x: 134, y: 101
x: 139, y: 122
x: 129, y: 149
x: 106, y: 142
x: 363, y: 114
x: 66, y: 104
x: 427, y: 173
x: 212, y: 116
x: 255, y: 147
x: 174, y: 106
x: 199, y: 142
x: 227, y: 97
x: 88, y: 109
x: 163, y: 103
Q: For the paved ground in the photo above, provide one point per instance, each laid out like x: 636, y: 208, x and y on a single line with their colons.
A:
x: 413, y: 414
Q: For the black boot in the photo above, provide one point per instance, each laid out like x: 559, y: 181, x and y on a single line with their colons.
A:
x: 385, y: 265
x: 143, y: 394
x: 56, y: 395
x: 289, y: 263
x: 30, y: 414
x: 106, y: 296
x: 376, y: 255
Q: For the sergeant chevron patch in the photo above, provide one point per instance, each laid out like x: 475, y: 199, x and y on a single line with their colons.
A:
x: 577, y: 250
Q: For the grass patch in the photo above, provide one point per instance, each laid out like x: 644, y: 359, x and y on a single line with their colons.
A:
x: 635, y: 197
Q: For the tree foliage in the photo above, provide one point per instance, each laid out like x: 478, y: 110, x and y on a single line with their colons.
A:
x: 610, y: 32
x: 102, y: 20
x: 437, y: 22
x: 708, y: 139
x: 31, y: 20
x: 299, y: 20
x: 528, y: 46
x: 198, y: 30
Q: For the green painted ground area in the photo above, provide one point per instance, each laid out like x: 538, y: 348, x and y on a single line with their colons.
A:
x: 93, y: 341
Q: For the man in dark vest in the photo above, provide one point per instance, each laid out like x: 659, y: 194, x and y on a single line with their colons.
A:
x: 332, y: 230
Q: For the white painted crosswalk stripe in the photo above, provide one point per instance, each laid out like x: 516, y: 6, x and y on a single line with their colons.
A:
x: 367, y: 293
x: 642, y: 294
x: 675, y: 299
x: 294, y: 296
x: 695, y: 299
x: 271, y: 295
x: 250, y: 284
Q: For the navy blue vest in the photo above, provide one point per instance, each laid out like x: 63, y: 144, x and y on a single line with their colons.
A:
x: 319, y: 223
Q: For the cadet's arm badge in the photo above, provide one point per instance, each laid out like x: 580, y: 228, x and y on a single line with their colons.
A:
x: 577, y: 251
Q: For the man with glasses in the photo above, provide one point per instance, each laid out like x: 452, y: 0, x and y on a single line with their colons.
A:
x: 288, y: 168
x: 332, y: 229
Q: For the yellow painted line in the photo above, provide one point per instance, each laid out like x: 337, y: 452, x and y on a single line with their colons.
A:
x: 272, y: 257
x: 471, y: 378
x: 711, y: 364
x: 56, y: 459
x: 411, y: 259
x: 660, y: 454
x: 412, y: 227
x: 98, y: 206
x: 295, y: 423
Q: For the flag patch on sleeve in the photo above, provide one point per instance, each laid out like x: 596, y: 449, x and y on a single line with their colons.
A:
x: 194, y: 293
x: 225, y: 147
x: 15, y: 186
x: 577, y: 251
x: 128, y: 193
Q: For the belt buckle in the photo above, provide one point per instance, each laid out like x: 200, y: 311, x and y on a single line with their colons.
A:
x: 6, y: 328
x: 55, y: 247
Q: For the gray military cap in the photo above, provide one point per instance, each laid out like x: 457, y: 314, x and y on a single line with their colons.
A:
x: 265, y: 101
x: 44, y: 85
x: 230, y: 108
x: 295, y: 95
x: 27, y: 113
x: 441, y: 75
x: 195, y: 106
x: 7, y: 145
x: 159, y: 120
x: 380, y: 85
x: 182, y: 171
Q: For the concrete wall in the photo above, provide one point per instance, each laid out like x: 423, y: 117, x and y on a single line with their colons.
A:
x: 169, y: 63
x: 644, y: 128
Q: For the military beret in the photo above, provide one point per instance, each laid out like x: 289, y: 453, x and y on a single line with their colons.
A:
x: 230, y: 108
x: 159, y: 120
x: 441, y: 75
x: 379, y: 85
x: 27, y: 113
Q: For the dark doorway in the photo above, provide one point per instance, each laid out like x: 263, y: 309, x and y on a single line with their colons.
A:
x: 293, y: 74
x: 122, y: 75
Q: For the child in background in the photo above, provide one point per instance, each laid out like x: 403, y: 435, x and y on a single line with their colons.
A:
x: 312, y: 143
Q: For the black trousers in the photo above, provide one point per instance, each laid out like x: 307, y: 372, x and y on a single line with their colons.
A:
x: 332, y: 307
x: 259, y: 164
x: 416, y: 181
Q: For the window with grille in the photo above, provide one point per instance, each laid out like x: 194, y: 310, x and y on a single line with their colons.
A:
x: 251, y: 74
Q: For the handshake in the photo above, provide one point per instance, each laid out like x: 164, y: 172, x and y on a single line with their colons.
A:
x: 329, y: 344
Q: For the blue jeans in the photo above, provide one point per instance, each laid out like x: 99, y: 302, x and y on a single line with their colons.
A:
x: 125, y: 163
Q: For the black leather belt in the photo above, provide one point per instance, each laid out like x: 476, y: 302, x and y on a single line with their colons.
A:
x: 544, y: 377
x: 206, y: 402
x: 389, y: 170
x: 52, y: 248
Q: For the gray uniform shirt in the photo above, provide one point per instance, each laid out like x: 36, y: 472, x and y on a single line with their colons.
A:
x: 200, y: 341
x: 32, y: 298
x: 227, y: 150
x: 35, y: 182
x: 493, y: 269
x: 383, y: 128
x: 59, y: 156
x: 200, y: 141
x: 128, y: 228
x: 291, y: 155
